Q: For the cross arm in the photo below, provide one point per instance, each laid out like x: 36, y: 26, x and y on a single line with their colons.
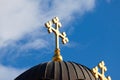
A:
x: 50, y: 28
x: 64, y: 38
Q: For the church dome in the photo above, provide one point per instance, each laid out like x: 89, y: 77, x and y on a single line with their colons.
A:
x: 57, y: 70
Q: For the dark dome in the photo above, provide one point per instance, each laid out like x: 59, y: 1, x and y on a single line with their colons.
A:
x: 57, y: 71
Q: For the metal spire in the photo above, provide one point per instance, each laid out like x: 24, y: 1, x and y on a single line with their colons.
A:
x: 57, y: 56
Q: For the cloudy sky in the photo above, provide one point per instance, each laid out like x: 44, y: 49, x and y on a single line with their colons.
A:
x: 92, y: 26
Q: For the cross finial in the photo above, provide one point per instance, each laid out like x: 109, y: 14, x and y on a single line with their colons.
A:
x: 102, y: 74
x: 57, y: 56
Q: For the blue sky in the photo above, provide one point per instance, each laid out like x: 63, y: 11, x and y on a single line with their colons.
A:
x: 92, y: 26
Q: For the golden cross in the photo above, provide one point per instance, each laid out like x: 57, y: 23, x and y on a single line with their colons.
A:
x: 57, y: 35
x: 102, y: 74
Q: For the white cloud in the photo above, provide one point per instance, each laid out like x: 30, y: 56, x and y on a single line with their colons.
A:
x: 9, y: 73
x: 18, y: 17
x: 24, y: 20
x: 36, y: 44
x: 108, y: 1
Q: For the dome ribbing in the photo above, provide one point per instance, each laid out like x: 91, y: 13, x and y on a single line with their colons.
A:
x: 57, y: 71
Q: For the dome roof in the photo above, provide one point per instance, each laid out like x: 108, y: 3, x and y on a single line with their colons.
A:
x: 57, y: 71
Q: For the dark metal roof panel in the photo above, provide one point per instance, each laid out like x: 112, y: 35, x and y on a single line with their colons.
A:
x: 57, y: 71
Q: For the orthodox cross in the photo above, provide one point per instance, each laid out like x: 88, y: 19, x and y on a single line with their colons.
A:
x: 57, y: 56
x: 102, y: 74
